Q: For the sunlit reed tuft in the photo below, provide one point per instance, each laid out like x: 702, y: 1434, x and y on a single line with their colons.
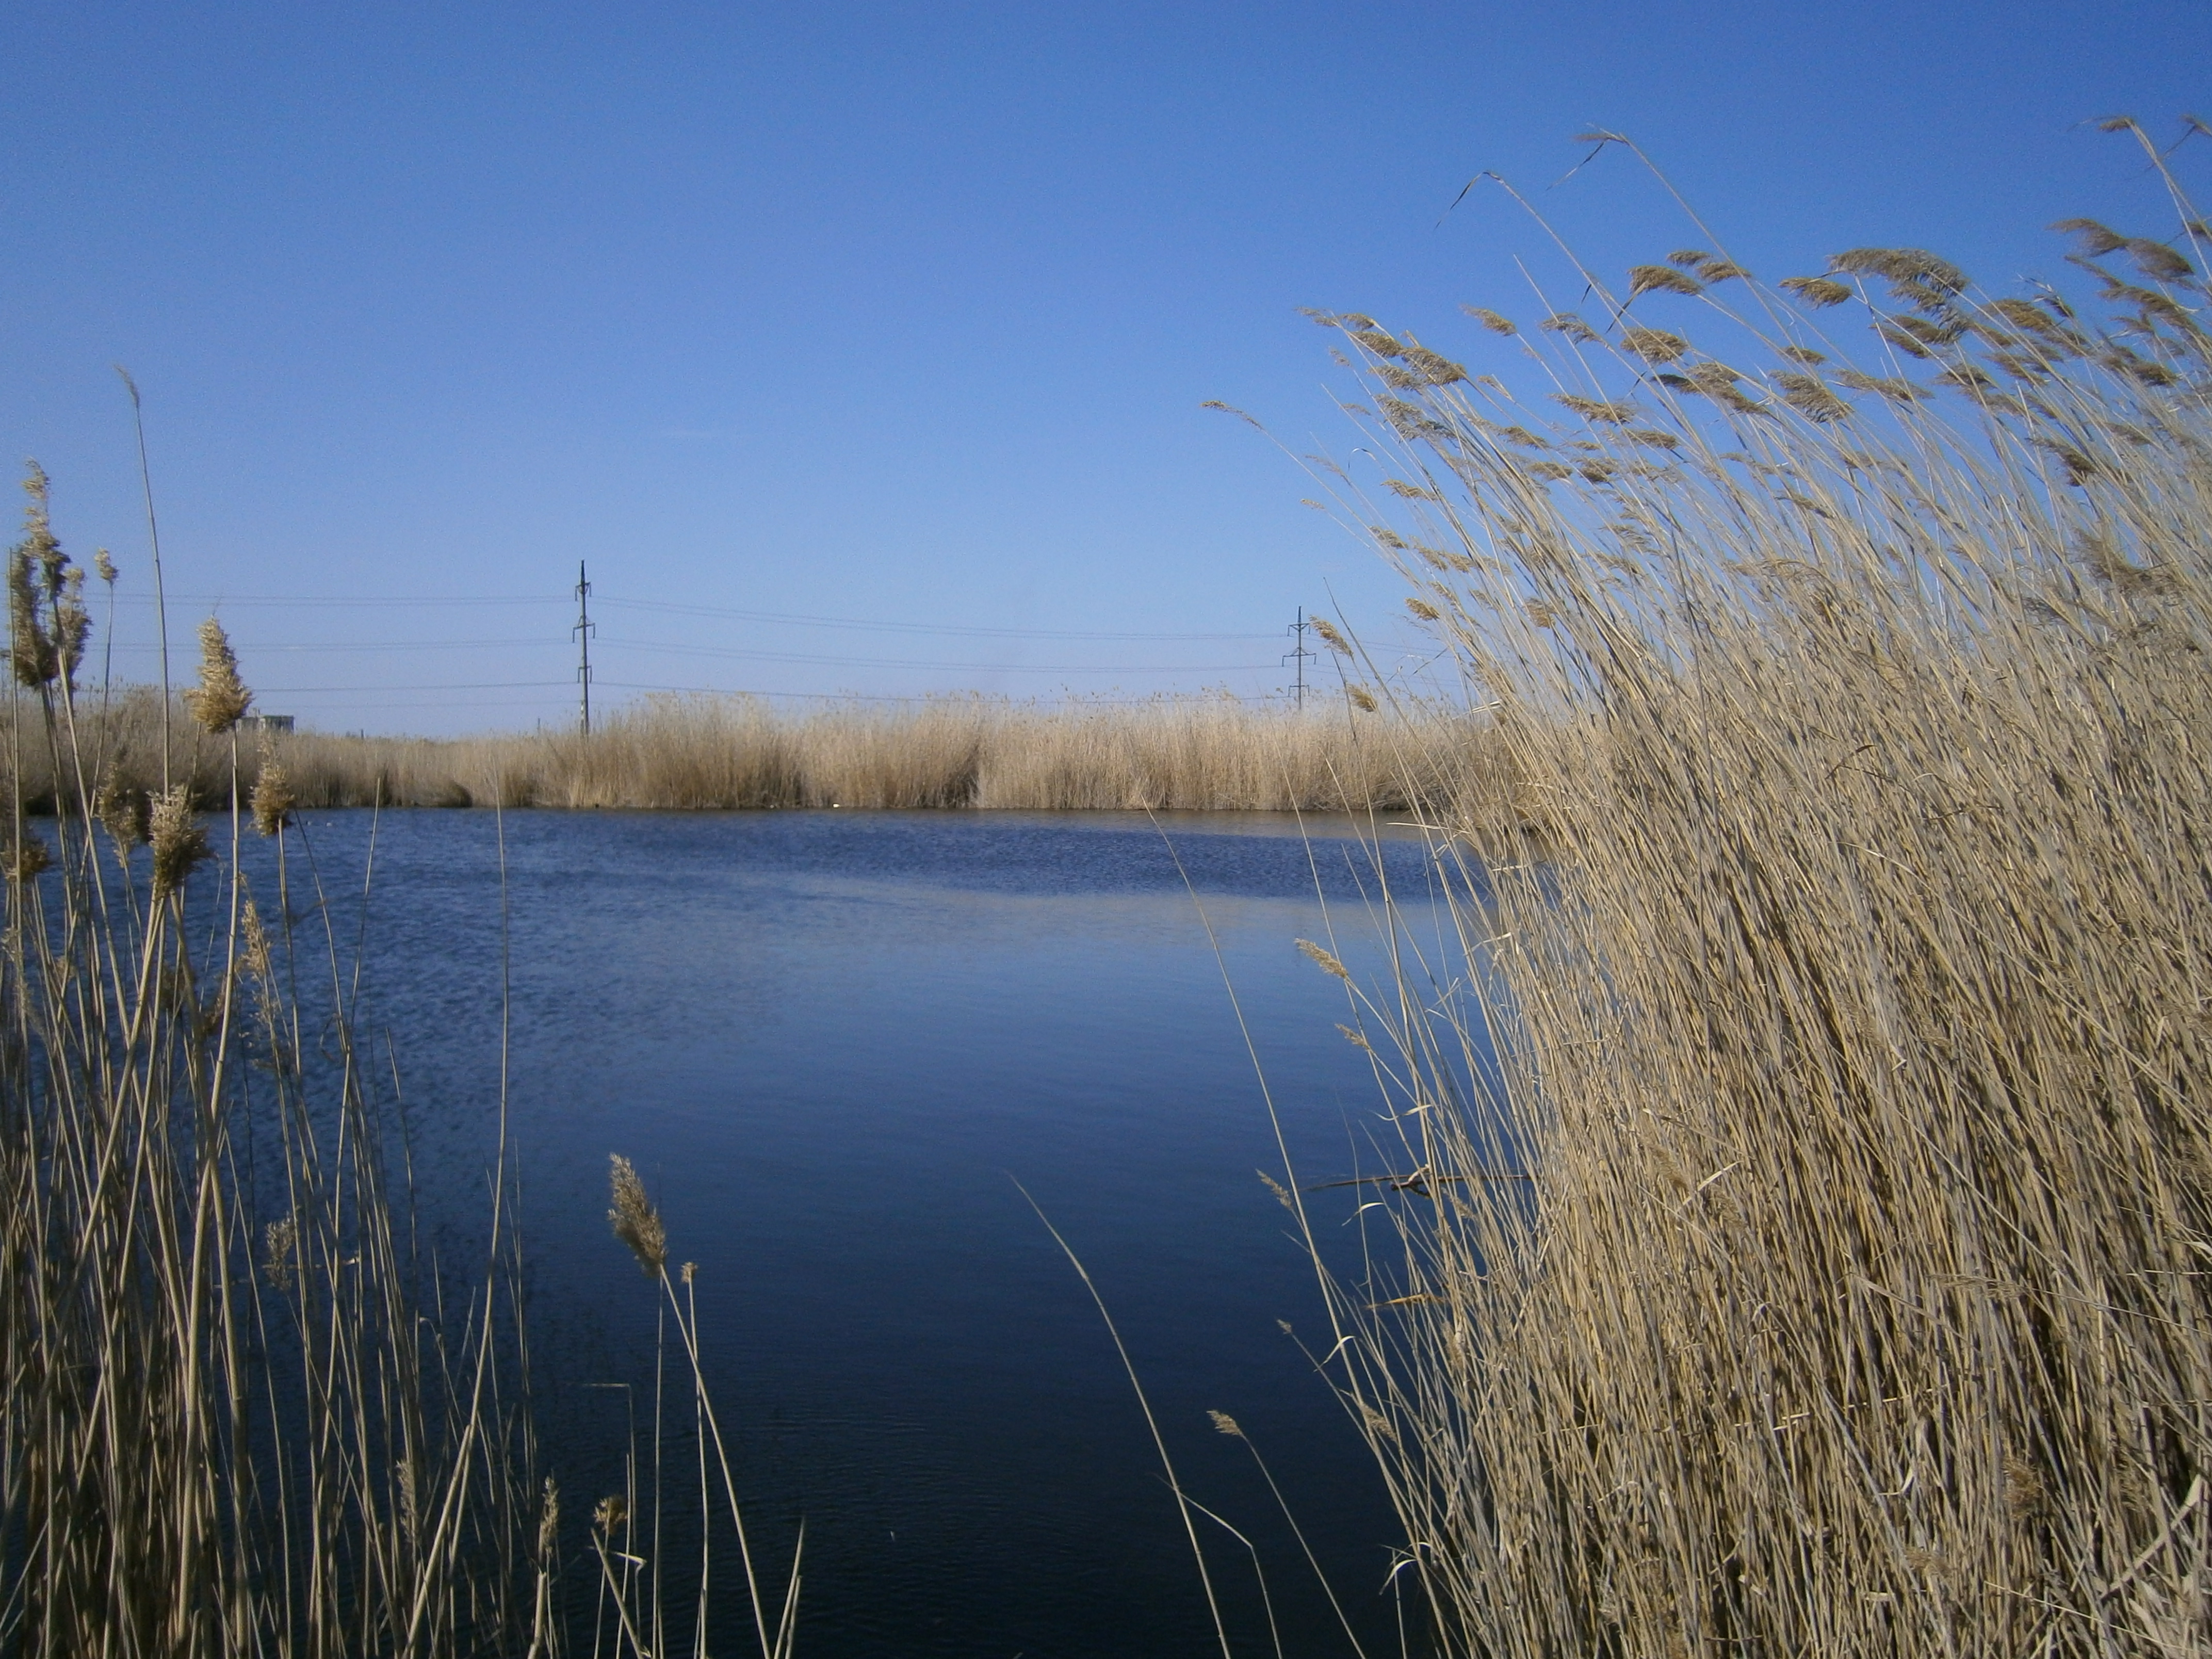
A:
x: 633, y: 1217
x: 220, y: 701
x: 273, y: 799
x: 179, y: 841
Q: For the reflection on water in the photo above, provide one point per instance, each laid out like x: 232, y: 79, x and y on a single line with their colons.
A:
x: 831, y: 1043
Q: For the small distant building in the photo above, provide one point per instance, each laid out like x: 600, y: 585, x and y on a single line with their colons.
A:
x: 266, y: 723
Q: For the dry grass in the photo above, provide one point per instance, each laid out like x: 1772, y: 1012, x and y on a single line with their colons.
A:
x: 1213, y: 753
x: 1856, y: 992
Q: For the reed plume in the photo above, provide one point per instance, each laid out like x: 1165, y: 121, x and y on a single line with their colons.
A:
x: 633, y: 1217
x: 272, y: 799
x: 179, y: 840
x: 220, y: 701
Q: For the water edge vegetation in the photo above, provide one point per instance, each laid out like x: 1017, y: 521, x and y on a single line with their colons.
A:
x: 1821, y: 1268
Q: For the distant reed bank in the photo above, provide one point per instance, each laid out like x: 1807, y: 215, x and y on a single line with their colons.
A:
x: 1213, y: 753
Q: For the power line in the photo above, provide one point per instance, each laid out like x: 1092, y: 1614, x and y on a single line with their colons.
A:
x: 280, y: 602
x: 705, y: 692
x: 264, y: 601
x: 249, y: 651
x: 810, y: 621
x: 265, y: 692
x: 537, y: 642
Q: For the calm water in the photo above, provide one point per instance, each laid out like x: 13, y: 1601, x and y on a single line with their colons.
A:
x: 831, y: 1042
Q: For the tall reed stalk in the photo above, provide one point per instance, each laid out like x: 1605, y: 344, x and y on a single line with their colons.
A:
x: 1823, y: 1267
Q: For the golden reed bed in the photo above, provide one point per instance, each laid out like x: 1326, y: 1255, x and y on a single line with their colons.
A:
x: 1208, y: 753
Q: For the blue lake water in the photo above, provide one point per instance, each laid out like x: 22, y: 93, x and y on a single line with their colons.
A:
x: 832, y: 1044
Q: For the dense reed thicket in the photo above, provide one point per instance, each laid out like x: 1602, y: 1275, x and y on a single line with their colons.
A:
x: 1836, y: 1277
x: 1208, y: 753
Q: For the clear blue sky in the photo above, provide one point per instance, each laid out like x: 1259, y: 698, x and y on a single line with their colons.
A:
x: 891, y: 314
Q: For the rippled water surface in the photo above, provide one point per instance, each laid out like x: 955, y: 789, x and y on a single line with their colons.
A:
x: 832, y: 1044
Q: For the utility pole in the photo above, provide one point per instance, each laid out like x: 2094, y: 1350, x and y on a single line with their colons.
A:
x: 583, y: 630
x: 1297, y: 656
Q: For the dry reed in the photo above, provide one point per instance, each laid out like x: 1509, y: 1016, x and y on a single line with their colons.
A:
x: 1850, y: 990
x: 1206, y: 753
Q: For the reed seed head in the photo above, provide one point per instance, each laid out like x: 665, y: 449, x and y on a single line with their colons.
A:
x: 636, y: 1222
x: 273, y: 798
x: 1328, y: 963
x: 1919, y: 278
x: 282, y: 1247
x: 181, y: 845
x: 2158, y: 262
x: 38, y: 571
x: 610, y: 1514
x: 71, y: 625
x: 220, y: 701
x: 1566, y: 323
x: 549, y: 1522
x: 1491, y: 320
x: 1660, y: 279
x: 1596, y: 409
x: 1361, y: 698
x: 1425, y: 610
x: 1356, y: 1039
x: 410, y: 1510
x: 1224, y: 1424
x: 125, y: 812
x: 1810, y: 397
x: 1654, y: 345
x: 27, y: 859
x: 2093, y: 239
x: 1426, y: 367
x: 2026, y: 1495
x: 1905, y: 342
x: 259, y: 961
x: 1929, y: 333
x: 104, y: 566
x: 1815, y: 291
x: 1897, y: 390
x: 1329, y: 637
x: 1967, y: 377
